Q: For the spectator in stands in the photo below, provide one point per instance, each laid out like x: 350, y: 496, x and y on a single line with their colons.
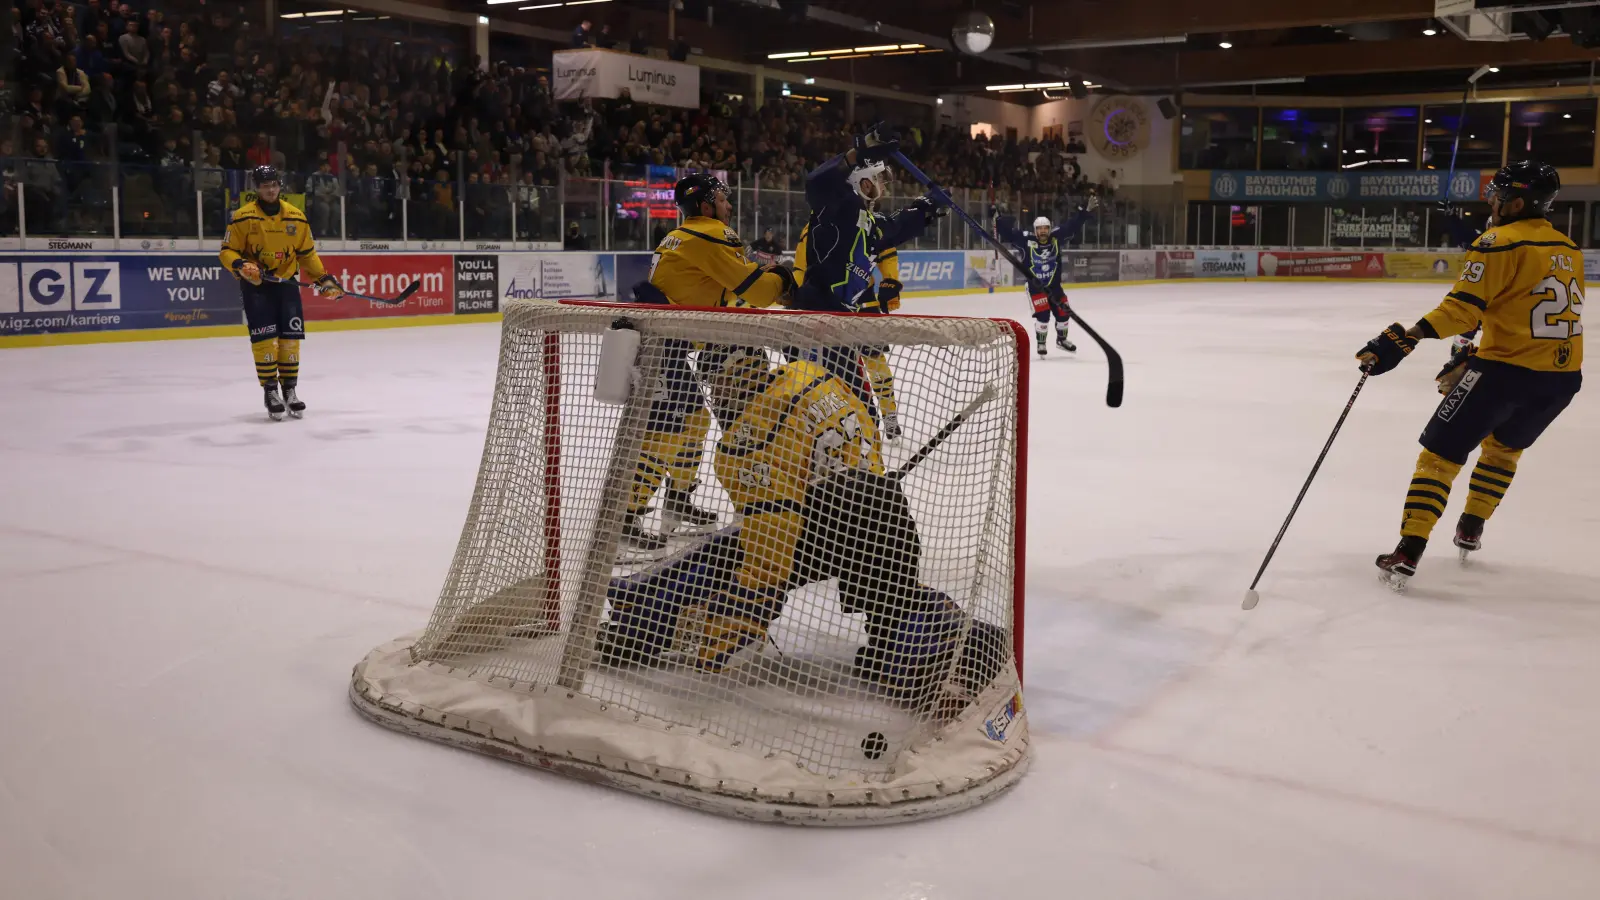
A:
x: 638, y: 45
x: 605, y: 40
x: 103, y: 103
x: 72, y: 88
x: 135, y: 50
x: 40, y: 177
x: 583, y: 35
x: 575, y: 239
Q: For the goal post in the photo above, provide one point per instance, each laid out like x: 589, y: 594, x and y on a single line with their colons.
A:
x: 842, y: 645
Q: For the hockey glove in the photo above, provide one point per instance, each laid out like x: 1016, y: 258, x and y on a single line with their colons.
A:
x: 786, y: 274
x: 889, y: 295
x: 931, y: 207
x: 328, y: 286
x: 249, y: 271
x: 1451, y: 374
x: 1387, y: 350
x: 876, y: 145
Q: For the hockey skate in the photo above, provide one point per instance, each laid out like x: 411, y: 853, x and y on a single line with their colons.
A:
x: 1042, y: 348
x: 1063, y: 343
x: 636, y: 538
x: 891, y: 427
x: 297, y: 407
x: 1469, y: 534
x: 274, y: 402
x: 1395, y: 569
x: 680, y: 516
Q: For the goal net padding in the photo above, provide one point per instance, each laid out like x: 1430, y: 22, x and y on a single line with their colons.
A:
x: 819, y: 723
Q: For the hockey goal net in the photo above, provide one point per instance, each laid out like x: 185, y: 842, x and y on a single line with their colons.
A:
x: 842, y: 645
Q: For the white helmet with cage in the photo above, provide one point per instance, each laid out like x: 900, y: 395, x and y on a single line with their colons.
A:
x: 1041, y: 222
x: 868, y: 172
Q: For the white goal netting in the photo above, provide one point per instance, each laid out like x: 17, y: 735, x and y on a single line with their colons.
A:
x: 779, y: 579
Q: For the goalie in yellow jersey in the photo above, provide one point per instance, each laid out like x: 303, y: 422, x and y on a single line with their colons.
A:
x: 700, y: 263
x: 269, y: 241
x: 800, y: 461
x: 1523, y: 280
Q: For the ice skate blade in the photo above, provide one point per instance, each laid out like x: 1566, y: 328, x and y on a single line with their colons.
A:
x: 297, y: 415
x: 1466, y: 555
x: 1394, y: 581
x: 276, y: 417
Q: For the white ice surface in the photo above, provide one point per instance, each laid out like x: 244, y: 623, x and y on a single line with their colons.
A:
x: 185, y: 585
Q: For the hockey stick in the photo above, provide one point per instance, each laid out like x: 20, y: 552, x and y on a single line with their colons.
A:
x: 1113, y: 358
x: 1251, y: 598
x: 392, y: 301
x: 950, y: 427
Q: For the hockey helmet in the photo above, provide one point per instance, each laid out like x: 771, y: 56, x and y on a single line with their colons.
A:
x: 733, y: 375
x: 1535, y: 183
x: 697, y: 188
x: 865, y: 172
x: 266, y: 175
x: 1041, y: 222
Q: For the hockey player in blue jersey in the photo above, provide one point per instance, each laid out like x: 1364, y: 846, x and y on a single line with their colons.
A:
x: 843, y: 236
x: 1041, y: 249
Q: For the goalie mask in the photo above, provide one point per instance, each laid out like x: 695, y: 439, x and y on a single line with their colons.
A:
x: 867, y: 180
x: 1041, y: 228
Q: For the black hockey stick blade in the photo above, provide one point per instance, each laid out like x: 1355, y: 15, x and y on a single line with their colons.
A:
x: 1113, y: 361
x: 405, y: 294
x: 1114, y: 380
x: 984, y: 396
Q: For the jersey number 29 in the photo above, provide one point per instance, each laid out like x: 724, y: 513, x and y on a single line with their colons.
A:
x: 1560, y: 297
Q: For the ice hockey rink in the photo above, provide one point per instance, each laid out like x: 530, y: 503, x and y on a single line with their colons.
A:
x: 185, y: 585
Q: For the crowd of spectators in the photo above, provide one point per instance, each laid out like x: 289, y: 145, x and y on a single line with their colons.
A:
x: 190, y: 94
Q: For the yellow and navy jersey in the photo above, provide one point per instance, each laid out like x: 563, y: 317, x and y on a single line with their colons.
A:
x: 887, y: 261
x: 805, y: 426
x: 701, y: 263
x: 280, y: 244
x: 1524, y: 282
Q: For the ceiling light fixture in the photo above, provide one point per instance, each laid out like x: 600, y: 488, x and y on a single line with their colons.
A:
x: 1430, y: 32
x: 1494, y: 68
x: 1226, y: 45
x: 538, y: 6
x: 787, y: 55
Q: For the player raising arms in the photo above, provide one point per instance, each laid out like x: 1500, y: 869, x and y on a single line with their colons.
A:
x: 842, y: 236
x: 269, y: 241
x: 1042, y: 250
x: 800, y: 460
x: 882, y: 298
x: 698, y: 264
x: 1524, y: 280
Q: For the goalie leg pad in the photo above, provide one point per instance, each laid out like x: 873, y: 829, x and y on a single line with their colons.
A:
x: 645, y: 607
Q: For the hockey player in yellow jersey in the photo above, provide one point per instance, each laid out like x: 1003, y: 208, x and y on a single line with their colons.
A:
x: 1523, y: 281
x: 883, y: 298
x: 269, y: 242
x: 800, y: 461
x: 700, y: 263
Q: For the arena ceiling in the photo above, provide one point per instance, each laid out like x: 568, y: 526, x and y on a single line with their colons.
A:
x: 1333, y: 47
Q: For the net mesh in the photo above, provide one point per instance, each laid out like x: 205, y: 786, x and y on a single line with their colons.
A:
x: 740, y: 550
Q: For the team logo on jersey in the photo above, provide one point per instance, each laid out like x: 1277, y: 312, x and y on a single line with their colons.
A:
x: 1487, y: 240
x: 289, y: 229
x: 1564, y: 355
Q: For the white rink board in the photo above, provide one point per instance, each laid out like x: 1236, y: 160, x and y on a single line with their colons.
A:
x: 186, y: 584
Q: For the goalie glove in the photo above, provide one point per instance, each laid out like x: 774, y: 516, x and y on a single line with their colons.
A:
x: 1451, y: 374
x: 328, y: 286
